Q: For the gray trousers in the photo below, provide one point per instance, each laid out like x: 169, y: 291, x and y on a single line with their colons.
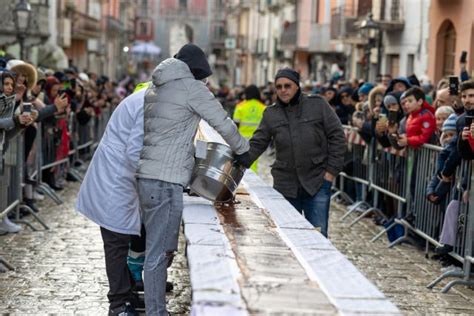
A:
x: 161, y: 208
x: 450, y: 224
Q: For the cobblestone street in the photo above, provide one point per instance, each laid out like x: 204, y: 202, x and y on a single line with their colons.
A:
x: 62, y: 271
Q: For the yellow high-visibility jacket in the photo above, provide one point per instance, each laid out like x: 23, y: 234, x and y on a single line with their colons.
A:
x: 248, y: 115
x: 142, y: 85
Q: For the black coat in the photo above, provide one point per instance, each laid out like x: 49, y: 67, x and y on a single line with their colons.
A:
x: 309, y: 141
x: 464, y: 148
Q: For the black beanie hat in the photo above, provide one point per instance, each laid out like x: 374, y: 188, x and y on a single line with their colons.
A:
x: 196, y: 60
x: 252, y: 92
x: 289, y: 74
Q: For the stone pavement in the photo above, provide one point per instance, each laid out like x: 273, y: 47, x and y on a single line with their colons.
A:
x: 401, y: 273
x: 62, y: 271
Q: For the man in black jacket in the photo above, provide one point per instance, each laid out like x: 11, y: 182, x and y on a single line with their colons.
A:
x: 467, y: 97
x: 310, y: 146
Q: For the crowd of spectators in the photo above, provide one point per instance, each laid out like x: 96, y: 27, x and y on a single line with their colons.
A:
x: 396, y: 113
x: 62, y: 107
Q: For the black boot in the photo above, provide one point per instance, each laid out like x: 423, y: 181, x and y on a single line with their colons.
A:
x: 444, y: 250
x: 125, y: 310
x: 169, y: 287
x: 70, y: 178
x: 30, y: 203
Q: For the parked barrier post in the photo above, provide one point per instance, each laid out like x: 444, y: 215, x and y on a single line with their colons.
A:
x: 386, y: 177
x: 356, y: 148
x: 464, y: 246
x: 19, y: 177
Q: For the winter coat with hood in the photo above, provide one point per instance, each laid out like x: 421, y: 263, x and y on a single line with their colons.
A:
x: 344, y: 112
x: 388, y: 140
x: 174, y: 105
x: 402, y: 79
x: 108, y: 194
x: 368, y: 128
x: 379, y: 90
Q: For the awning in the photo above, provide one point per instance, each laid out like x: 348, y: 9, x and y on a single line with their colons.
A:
x: 148, y: 48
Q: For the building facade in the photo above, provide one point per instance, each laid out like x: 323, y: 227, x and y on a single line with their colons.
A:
x: 179, y: 22
x: 451, y: 32
x: 254, y: 30
x: 405, y: 26
x: 87, y: 34
x: 37, y: 32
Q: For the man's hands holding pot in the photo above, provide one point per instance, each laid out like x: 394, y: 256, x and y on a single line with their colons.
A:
x: 243, y: 159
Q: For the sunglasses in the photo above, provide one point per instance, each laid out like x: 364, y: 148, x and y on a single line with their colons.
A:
x: 283, y: 86
x: 345, y: 96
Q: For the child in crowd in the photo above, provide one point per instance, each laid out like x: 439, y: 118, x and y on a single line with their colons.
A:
x: 438, y: 188
x: 420, y: 120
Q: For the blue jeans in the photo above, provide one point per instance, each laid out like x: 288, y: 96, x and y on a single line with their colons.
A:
x: 161, y: 208
x: 315, y: 208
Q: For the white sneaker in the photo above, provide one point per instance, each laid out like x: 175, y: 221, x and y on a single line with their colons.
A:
x: 8, y: 226
x: 38, y: 196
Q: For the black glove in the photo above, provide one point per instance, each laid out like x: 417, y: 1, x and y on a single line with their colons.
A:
x: 243, y: 160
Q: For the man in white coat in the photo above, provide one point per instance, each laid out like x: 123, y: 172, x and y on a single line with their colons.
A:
x: 109, y: 198
x: 174, y: 105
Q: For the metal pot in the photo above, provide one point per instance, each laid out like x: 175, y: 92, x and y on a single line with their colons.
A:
x: 216, y: 178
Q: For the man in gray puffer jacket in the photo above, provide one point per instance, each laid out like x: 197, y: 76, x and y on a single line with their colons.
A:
x: 174, y: 105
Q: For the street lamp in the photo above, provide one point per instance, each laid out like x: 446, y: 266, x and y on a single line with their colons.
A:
x: 367, y: 27
x: 22, y: 14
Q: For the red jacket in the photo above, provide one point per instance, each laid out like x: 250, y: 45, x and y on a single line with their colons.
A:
x: 471, y: 142
x: 421, y: 126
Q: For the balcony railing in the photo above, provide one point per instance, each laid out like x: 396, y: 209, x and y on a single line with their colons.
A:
x: 114, y: 25
x: 392, y: 16
x: 84, y: 26
x: 342, y: 24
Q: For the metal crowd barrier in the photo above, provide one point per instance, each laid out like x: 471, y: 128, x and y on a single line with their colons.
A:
x: 11, y: 193
x: 83, y: 138
x: 404, y: 176
x: 357, y: 157
x: 464, y: 245
x: 427, y: 218
x: 362, y: 160
x: 391, y: 176
x: 14, y: 170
